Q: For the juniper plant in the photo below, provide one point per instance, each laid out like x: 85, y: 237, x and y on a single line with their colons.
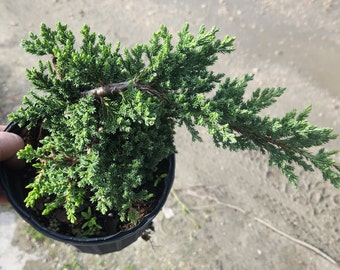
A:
x: 110, y: 113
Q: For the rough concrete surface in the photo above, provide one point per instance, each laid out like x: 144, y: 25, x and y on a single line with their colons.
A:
x: 242, y: 213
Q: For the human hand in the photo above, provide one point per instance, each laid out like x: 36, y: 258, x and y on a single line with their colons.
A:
x: 10, y: 144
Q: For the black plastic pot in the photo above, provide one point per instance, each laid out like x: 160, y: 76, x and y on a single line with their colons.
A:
x: 15, y: 192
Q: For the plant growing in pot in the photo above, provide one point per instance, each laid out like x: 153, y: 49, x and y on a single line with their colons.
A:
x: 99, y: 130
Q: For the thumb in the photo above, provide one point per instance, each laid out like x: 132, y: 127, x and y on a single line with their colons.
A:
x: 10, y: 144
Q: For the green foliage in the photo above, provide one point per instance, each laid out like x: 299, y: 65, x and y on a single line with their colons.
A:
x: 110, y: 115
x: 90, y: 225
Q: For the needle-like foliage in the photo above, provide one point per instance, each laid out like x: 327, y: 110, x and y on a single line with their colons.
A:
x: 110, y: 113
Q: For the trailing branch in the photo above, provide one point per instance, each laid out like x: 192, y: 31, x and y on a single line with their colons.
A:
x: 112, y: 88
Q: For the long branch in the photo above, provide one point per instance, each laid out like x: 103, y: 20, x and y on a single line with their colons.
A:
x: 112, y: 88
x: 263, y: 138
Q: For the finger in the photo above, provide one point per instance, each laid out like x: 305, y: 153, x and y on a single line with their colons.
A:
x: 10, y: 144
x: 3, y: 198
